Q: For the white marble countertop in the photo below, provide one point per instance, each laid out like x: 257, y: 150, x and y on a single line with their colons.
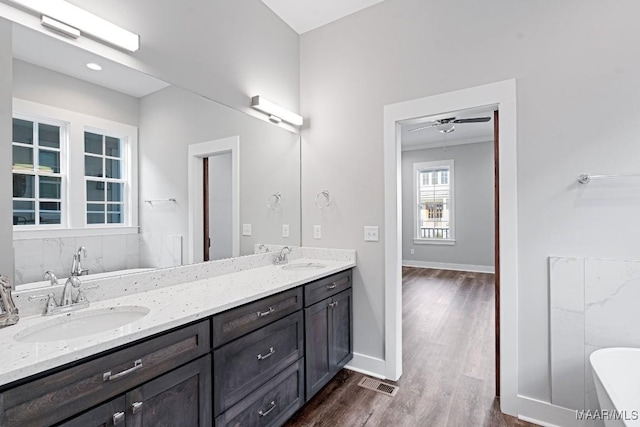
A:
x: 169, y: 307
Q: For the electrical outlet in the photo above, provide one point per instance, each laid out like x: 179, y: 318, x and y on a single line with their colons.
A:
x: 246, y: 229
x: 317, y: 232
x: 285, y: 230
x: 413, y: 251
x: 371, y: 233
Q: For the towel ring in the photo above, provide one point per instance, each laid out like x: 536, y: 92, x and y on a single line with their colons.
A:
x: 323, y: 199
x: 273, y: 202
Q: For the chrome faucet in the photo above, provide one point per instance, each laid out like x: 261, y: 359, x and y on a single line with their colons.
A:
x: 282, y: 257
x: 76, y: 266
x: 49, y: 275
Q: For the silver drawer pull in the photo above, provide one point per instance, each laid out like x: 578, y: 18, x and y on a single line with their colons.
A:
x: 265, y: 313
x: 136, y: 407
x: 333, y: 304
x: 332, y: 286
x: 271, y: 351
x: 108, y: 377
x: 118, y: 418
x: 268, y: 411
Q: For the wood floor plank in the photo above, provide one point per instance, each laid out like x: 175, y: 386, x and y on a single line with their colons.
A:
x: 448, y: 362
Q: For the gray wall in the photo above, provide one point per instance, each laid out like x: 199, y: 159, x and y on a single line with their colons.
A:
x: 570, y: 97
x: 44, y: 86
x: 220, y: 214
x: 6, y: 189
x: 474, y: 209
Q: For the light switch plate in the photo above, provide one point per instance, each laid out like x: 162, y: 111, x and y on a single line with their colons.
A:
x: 246, y: 229
x: 285, y: 230
x: 371, y: 233
x: 317, y: 232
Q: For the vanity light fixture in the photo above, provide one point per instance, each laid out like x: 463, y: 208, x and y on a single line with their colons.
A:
x: 60, y: 27
x: 275, y: 111
x: 93, y: 66
x: 57, y: 12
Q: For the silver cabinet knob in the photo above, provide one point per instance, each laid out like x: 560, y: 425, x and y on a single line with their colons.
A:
x: 118, y: 418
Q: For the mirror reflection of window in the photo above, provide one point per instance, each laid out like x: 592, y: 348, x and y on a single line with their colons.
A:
x: 37, y: 174
x: 105, y: 183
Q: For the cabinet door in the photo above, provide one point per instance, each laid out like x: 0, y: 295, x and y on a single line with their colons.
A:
x: 341, y: 337
x: 110, y: 414
x: 317, y: 351
x: 181, y: 398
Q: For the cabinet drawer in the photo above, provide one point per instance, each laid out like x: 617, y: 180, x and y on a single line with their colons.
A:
x: 324, y: 288
x: 246, y: 363
x: 272, y: 403
x: 55, y: 397
x: 239, y: 321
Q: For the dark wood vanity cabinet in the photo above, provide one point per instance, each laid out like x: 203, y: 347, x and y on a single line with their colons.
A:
x: 180, y: 398
x: 61, y: 395
x: 328, y: 330
x: 254, y: 365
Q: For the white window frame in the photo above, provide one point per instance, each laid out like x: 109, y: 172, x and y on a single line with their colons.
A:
x: 74, y: 220
x: 64, y: 147
x: 422, y: 167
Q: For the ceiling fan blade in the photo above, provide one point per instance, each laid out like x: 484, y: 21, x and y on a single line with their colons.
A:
x: 426, y: 126
x: 473, y: 120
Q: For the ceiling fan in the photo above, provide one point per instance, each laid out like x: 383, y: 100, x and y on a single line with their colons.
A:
x: 447, y: 125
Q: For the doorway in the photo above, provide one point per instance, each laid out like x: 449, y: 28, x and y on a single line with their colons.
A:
x: 449, y: 234
x: 502, y: 95
x: 217, y: 207
x: 224, y: 155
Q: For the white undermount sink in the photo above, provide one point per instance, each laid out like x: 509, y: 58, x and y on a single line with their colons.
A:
x: 303, y: 266
x: 82, y: 323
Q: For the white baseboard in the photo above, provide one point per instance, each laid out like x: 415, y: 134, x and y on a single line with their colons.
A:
x: 547, y: 415
x: 449, y: 266
x: 367, y: 365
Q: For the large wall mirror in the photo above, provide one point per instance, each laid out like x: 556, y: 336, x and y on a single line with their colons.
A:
x: 138, y: 172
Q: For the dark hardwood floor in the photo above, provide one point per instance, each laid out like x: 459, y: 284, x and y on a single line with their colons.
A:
x: 448, y: 362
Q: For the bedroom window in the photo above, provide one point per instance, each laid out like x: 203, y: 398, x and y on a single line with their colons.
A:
x: 434, y: 202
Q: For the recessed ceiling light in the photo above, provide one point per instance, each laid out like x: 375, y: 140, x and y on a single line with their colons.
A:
x: 93, y: 66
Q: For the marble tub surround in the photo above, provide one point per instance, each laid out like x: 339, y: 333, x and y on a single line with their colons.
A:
x: 160, y: 250
x: 204, y: 290
x: 593, y: 306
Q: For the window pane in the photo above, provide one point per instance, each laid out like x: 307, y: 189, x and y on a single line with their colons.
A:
x: 22, y: 158
x: 95, y: 213
x: 112, y: 146
x: 95, y: 191
x: 24, y: 213
x: 115, y: 214
x: 92, y: 166
x: 49, y: 213
x: 50, y: 187
x: 112, y: 168
x: 23, y: 186
x: 48, y: 135
x: 434, y: 216
x: 22, y: 131
x: 114, y: 192
x: 49, y: 161
x: 92, y: 143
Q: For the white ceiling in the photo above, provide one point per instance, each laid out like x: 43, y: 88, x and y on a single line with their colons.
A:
x: 464, y: 133
x: 306, y: 15
x: 46, y: 51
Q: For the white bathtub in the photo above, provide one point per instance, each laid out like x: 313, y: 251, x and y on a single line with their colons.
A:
x: 616, y: 372
x: 61, y: 281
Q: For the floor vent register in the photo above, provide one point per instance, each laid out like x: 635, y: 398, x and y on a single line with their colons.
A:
x: 378, y: 386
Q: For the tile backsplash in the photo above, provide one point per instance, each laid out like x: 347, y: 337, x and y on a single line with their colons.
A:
x: 104, y: 253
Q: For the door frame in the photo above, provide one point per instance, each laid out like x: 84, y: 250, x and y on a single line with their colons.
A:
x: 501, y: 95
x: 197, y: 152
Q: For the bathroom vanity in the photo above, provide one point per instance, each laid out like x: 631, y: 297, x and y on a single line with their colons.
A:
x: 250, y: 348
